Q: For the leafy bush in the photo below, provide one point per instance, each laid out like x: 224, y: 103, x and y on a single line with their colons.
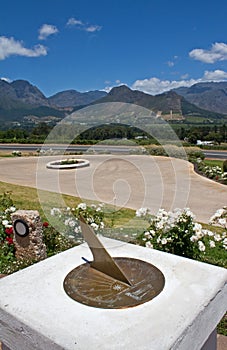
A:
x: 225, y: 166
x: 68, y: 219
x: 178, y: 233
x: 220, y: 218
x: 212, y: 172
x: 194, y: 153
x: 6, y: 231
x: 54, y: 241
x: 176, y: 152
x: 16, y: 153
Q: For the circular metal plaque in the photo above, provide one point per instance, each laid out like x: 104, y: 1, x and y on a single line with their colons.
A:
x: 21, y: 228
x: 94, y: 288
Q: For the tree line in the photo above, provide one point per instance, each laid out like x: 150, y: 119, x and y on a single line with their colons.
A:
x: 65, y: 133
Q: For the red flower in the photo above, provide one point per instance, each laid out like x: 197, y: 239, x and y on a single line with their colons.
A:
x: 9, y: 230
x: 9, y: 240
x: 45, y: 224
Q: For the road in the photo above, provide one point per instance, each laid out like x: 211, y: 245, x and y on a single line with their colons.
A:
x: 68, y: 148
x: 98, y: 148
x: 215, y: 154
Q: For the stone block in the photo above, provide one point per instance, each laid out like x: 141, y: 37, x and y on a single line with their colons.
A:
x: 29, y: 246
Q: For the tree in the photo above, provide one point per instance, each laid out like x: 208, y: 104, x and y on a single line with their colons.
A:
x: 214, y: 136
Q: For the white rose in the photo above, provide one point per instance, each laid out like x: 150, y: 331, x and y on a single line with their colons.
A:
x: 94, y: 226
x: 82, y: 206
x: 5, y: 222
x: 149, y: 245
x: 164, y: 241
x: 212, y: 244
x: 201, y: 245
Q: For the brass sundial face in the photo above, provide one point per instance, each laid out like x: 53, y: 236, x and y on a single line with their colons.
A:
x: 112, y: 283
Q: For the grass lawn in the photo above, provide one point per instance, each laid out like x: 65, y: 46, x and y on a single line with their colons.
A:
x: 214, y: 162
x: 27, y: 198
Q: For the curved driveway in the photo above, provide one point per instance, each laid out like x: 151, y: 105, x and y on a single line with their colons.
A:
x: 126, y: 181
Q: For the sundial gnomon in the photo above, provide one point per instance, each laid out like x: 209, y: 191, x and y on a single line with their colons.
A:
x: 112, y: 283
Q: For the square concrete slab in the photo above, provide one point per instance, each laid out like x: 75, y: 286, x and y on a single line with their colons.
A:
x: 36, y: 313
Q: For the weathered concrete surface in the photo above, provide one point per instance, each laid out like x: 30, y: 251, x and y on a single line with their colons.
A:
x: 126, y: 181
x: 39, y: 314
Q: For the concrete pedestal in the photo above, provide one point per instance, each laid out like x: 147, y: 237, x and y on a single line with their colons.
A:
x: 36, y: 313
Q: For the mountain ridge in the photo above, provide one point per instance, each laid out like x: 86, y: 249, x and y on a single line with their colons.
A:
x: 74, y: 98
x: 209, y: 95
x: 168, y: 105
x: 20, y: 98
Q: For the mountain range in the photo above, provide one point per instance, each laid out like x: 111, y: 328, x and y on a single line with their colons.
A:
x: 211, y: 96
x: 19, y: 99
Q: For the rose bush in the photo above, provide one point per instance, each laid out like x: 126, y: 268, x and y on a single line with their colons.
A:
x: 6, y: 229
x: 220, y: 218
x: 69, y: 218
x: 178, y: 233
x: 212, y: 172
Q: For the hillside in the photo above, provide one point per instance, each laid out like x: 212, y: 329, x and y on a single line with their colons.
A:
x: 164, y: 102
x: 73, y: 98
x: 20, y: 99
x: 210, y: 96
x: 168, y: 105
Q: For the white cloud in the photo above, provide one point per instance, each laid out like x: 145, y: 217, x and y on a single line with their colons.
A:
x: 185, y: 76
x: 156, y: 86
x: 170, y: 63
x: 73, y: 22
x: 216, y: 75
x: 47, y: 30
x: 218, y: 52
x: 91, y: 28
x: 10, y: 46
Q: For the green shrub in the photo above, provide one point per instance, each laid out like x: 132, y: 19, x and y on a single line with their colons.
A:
x: 225, y: 166
x: 177, y: 233
x: 174, y: 151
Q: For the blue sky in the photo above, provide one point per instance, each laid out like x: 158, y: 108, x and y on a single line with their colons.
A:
x: 151, y: 46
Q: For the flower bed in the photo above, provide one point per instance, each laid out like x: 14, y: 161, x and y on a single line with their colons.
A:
x: 64, y: 233
x: 211, y: 172
x: 70, y: 163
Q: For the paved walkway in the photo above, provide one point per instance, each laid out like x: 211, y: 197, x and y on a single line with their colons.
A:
x: 126, y: 181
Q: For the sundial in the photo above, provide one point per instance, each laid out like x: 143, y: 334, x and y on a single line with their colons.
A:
x: 112, y: 283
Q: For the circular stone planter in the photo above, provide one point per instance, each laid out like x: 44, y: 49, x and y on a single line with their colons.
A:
x: 69, y: 163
